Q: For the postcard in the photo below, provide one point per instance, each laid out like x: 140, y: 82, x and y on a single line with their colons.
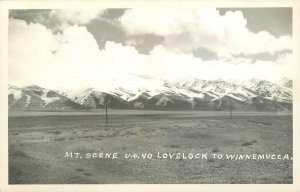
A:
x: 142, y: 96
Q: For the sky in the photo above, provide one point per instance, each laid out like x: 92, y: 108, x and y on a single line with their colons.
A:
x: 98, y: 47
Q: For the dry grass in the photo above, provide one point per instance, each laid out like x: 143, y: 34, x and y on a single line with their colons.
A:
x: 247, y: 143
x: 54, y: 132
x: 20, y: 153
x: 87, y: 174
x: 172, y: 146
x: 210, y: 160
x: 216, y: 149
x: 188, y: 134
x: 79, y: 169
x: 59, y: 139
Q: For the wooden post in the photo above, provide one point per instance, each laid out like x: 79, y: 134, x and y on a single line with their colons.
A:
x: 106, y: 117
x: 230, y: 108
x: 106, y: 114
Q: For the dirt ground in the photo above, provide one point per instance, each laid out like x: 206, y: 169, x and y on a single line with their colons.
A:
x: 38, y: 143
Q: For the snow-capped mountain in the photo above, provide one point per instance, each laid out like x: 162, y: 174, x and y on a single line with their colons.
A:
x: 179, y: 94
x: 285, y: 82
x: 35, y: 97
x: 270, y: 90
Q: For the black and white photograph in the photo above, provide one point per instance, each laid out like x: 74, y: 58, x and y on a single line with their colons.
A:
x: 184, y: 95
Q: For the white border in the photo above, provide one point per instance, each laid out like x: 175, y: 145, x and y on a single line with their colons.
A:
x: 6, y: 5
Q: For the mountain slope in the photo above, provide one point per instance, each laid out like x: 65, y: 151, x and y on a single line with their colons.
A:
x: 270, y: 90
x: 285, y: 82
x: 180, y: 94
x: 35, y: 97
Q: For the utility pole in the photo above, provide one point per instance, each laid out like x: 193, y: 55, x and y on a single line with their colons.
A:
x: 106, y: 115
x: 106, y: 118
x: 230, y: 108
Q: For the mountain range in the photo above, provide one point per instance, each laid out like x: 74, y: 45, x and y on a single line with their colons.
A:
x: 179, y: 94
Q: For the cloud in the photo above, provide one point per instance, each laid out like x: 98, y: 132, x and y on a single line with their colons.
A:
x: 36, y: 55
x: 72, y: 59
x: 172, y: 65
x: 65, y: 17
x: 134, y: 42
x: 189, y: 29
x: 30, y: 51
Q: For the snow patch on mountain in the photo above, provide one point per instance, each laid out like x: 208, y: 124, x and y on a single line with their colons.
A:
x: 269, y: 90
x: 182, y: 93
x: 16, y: 92
x: 285, y: 82
x: 27, y: 101
x: 49, y: 100
x: 79, y: 96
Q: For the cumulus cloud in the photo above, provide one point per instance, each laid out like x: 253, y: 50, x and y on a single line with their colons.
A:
x: 30, y: 51
x: 65, y: 17
x: 36, y: 55
x: 72, y: 59
x: 186, y: 30
x: 172, y: 65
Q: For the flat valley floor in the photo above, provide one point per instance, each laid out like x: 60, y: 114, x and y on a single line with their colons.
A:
x: 38, y: 142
